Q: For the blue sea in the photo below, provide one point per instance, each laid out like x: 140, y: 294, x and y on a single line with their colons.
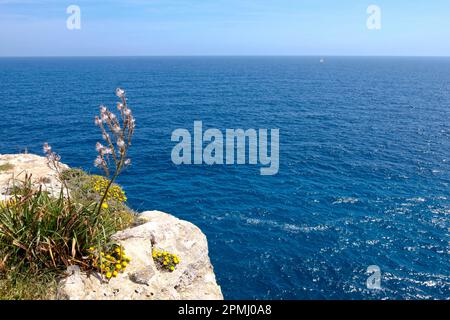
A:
x: 364, y: 161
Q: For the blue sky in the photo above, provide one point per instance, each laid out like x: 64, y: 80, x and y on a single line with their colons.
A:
x: 224, y: 27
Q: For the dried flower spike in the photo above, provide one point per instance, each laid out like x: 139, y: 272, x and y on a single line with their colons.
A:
x: 112, y: 158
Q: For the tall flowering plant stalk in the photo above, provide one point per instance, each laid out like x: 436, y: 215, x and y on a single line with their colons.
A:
x: 117, y: 132
x: 54, y: 163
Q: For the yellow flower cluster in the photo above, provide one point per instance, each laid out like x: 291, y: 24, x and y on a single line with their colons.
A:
x: 165, y: 260
x: 7, y: 203
x: 110, y: 263
x: 99, y: 184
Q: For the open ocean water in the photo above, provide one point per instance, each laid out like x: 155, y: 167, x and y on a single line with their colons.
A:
x: 364, y: 161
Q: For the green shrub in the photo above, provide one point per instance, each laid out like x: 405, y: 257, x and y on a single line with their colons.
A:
x: 73, y: 174
x: 92, y: 187
x: 85, y: 188
x: 6, y: 167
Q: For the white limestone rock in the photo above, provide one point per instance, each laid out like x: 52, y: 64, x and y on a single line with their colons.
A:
x: 192, y: 279
x: 26, y: 164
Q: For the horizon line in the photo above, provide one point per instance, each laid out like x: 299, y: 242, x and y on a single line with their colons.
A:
x: 229, y: 55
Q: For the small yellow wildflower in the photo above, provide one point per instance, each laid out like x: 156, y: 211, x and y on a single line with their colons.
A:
x: 108, y: 275
x: 118, y: 266
x: 115, y: 273
x: 165, y: 260
x: 105, y: 205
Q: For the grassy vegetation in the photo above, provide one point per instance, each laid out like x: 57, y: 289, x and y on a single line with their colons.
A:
x: 86, y: 189
x: 6, y: 167
x: 17, y: 286
x: 42, y: 234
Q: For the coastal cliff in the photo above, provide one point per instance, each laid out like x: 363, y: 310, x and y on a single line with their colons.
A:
x: 193, y: 277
